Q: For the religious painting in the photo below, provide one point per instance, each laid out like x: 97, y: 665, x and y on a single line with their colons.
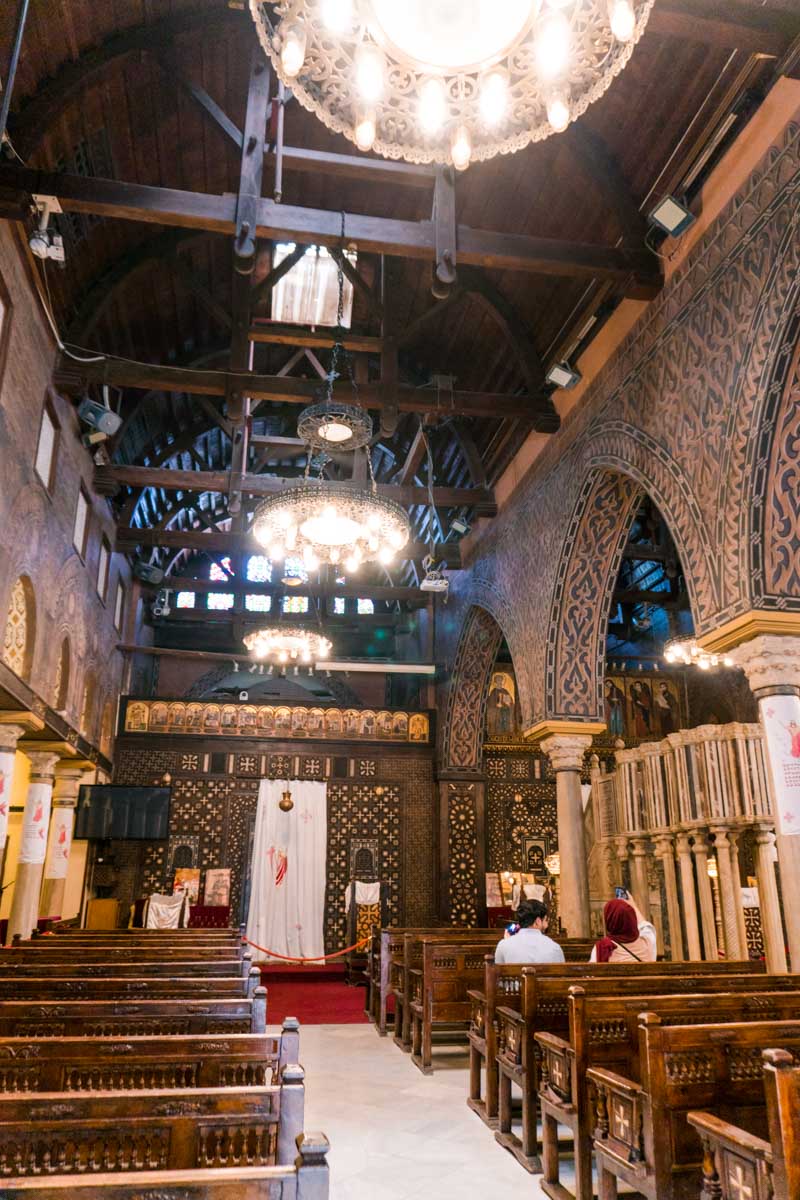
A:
x: 781, y: 716
x: 333, y: 721
x: 247, y: 719
x: 176, y: 717
x: 136, y: 718
x: 217, y: 886
x: 352, y: 722
x: 384, y: 721
x: 288, y: 721
x: 283, y: 720
x: 614, y: 705
x: 535, y: 851
x: 501, y: 705
x: 211, y: 719
x: 418, y: 728
x: 299, y: 722
x: 368, y: 723
x: 159, y: 714
x: 194, y: 718
x: 400, y: 725
x: 266, y: 720
x: 230, y: 719
x: 316, y: 721
x: 187, y: 879
x: 666, y: 706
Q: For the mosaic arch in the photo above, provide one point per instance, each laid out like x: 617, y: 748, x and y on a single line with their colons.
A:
x: 462, y: 735
x: 20, y: 628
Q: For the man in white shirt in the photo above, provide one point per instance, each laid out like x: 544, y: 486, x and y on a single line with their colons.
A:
x: 530, y: 944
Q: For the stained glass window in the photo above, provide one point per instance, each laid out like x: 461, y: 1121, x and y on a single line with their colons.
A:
x: 364, y: 607
x: 258, y: 603
x: 259, y: 568
x: 221, y: 571
x: 295, y: 568
x: 15, y: 642
x: 338, y: 605
x: 185, y: 600
x: 295, y: 604
x: 220, y: 600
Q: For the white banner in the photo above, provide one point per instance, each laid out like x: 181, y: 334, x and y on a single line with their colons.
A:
x: 6, y: 778
x: 34, y: 823
x: 59, y: 844
x: 781, y: 718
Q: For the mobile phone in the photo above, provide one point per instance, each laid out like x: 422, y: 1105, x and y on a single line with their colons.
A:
x: 512, y: 928
x: 621, y: 893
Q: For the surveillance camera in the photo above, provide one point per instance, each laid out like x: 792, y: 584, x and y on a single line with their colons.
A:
x: 244, y: 695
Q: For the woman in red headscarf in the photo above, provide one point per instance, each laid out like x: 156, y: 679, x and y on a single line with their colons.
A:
x: 629, y: 937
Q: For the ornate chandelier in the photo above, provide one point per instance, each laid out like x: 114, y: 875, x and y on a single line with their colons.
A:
x: 689, y: 654
x: 328, y: 522
x: 285, y: 644
x: 449, y: 80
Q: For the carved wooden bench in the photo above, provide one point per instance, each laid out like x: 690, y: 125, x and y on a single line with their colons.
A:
x: 307, y: 1179
x: 63, y: 1134
x: 31, y: 952
x: 116, y: 1018
x: 107, y: 1064
x: 642, y: 1136
x: 110, y: 987
x: 75, y: 964
x: 543, y: 1009
x: 604, y: 1032
x: 738, y: 1165
x: 387, y: 949
x: 408, y: 958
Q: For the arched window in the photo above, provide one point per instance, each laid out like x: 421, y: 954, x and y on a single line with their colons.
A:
x: 87, y: 707
x: 61, y: 686
x: 20, y: 631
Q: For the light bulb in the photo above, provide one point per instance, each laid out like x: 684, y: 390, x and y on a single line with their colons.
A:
x: 329, y: 513
x: 372, y: 544
x: 373, y: 520
x: 351, y: 564
x: 293, y: 50
x: 365, y: 138
x: 728, y: 662
x: 558, y: 111
x: 432, y: 106
x: 386, y: 555
x: 334, y: 554
x: 369, y: 72
x: 493, y: 99
x: 277, y: 552
x: 704, y: 664
x: 282, y: 517
x: 551, y: 46
x: 283, y: 656
x: 337, y: 15
x: 461, y: 148
x: 311, y: 560
x: 291, y: 537
x: 622, y: 18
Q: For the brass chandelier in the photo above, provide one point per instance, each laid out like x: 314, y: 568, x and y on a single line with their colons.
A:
x: 286, y: 644
x: 449, y: 81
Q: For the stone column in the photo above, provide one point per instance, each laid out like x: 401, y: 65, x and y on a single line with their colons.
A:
x: 621, y: 851
x: 640, y: 884
x: 768, y: 902
x: 9, y: 736
x: 566, y: 751
x: 664, y: 851
x: 736, y: 872
x: 68, y: 778
x: 28, y: 880
x: 686, y: 865
x: 771, y: 663
x: 708, y: 916
x: 729, y: 892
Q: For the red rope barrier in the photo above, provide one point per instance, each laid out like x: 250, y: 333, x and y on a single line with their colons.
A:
x: 319, y: 957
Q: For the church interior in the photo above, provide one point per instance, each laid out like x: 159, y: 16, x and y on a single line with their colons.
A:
x: 400, y: 599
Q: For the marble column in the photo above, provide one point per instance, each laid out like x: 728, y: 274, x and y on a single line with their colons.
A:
x: 28, y: 878
x: 640, y: 883
x: 664, y: 851
x: 768, y: 901
x: 9, y: 736
x: 736, y: 872
x: 621, y: 851
x: 705, y: 895
x: 771, y: 663
x: 68, y: 779
x: 729, y: 893
x: 693, y: 944
x: 566, y: 751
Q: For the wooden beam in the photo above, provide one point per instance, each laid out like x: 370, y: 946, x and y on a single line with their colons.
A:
x: 362, y: 169
x: 70, y: 375
x: 262, y: 289
x: 108, y: 479
x: 184, y: 273
x: 348, y: 621
x: 604, y: 173
x: 414, y: 459
x: 637, y: 271
x: 351, y: 591
x: 301, y: 335
x: 359, y: 282
x: 241, y: 543
x: 519, y: 337
x: 727, y: 24
x: 168, y: 62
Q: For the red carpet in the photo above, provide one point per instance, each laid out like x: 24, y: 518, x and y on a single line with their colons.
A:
x: 316, y: 995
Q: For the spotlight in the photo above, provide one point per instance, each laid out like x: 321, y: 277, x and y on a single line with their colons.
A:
x: 671, y: 216
x: 435, y: 580
x: 99, y: 417
x: 562, y: 375
x: 459, y: 525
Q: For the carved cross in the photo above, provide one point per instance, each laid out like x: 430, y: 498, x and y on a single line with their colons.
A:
x: 557, y: 1072
x: 622, y: 1122
x: 739, y: 1189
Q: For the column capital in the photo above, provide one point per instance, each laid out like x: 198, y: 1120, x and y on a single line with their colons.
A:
x: 682, y: 842
x: 566, y: 750
x: 770, y: 661
x: 10, y: 735
x: 639, y: 845
x: 663, y: 845
x: 30, y: 722
x: 721, y: 834
x: 69, y: 775
x: 42, y: 765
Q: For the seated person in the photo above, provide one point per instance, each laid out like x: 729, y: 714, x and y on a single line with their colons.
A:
x: 530, y: 943
x: 629, y: 937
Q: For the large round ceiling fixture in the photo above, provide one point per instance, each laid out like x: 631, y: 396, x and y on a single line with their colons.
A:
x: 449, y: 80
x: 327, y: 522
x: 285, y: 644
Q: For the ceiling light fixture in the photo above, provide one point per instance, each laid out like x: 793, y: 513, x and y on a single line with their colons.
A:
x: 689, y: 654
x: 448, y: 80
x: 671, y: 216
x: 284, y: 645
x: 562, y: 375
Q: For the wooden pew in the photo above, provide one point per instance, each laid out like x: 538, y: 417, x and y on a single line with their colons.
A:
x: 604, y: 1032
x: 70, y: 1134
x: 408, y: 958
x: 735, y: 1163
x: 307, y: 1179
x: 28, y: 952
x: 387, y: 948
x: 113, y: 1018
x: 74, y: 931
x: 642, y: 1136
x: 543, y: 1009
x: 106, y: 1064
x: 162, y: 966
x: 110, y: 987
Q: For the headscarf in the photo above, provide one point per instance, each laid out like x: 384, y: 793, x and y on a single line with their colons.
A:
x: 622, y: 927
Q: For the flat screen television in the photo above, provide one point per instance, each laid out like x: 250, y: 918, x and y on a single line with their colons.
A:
x: 126, y: 813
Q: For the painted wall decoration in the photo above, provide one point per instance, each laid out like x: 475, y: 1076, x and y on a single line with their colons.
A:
x: 188, y: 879
x: 217, y: 886
x: 279, y: 721
x: 501, y: 706
x: 781, y: 717
x: 641, y: 706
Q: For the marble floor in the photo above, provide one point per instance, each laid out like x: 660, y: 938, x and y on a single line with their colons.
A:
x: 395, y: 1133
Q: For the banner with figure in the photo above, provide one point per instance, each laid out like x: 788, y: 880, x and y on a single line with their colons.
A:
x: 288, y: 873
x: 59, y: 843
x: 6, y: 777
x: 35, y: 821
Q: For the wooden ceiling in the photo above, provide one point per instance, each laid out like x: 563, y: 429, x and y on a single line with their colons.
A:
x: 154, y: 92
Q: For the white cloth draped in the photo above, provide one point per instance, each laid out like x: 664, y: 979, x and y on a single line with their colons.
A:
x: 167, y: 912
x: 366, y: 893
x: 287, y: 890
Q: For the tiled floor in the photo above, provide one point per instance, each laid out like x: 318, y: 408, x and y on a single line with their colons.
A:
x: 395, y: 1133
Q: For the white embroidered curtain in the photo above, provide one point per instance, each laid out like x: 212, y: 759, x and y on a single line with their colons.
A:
x: 287, y: 889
